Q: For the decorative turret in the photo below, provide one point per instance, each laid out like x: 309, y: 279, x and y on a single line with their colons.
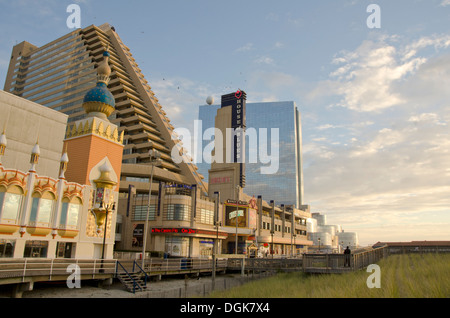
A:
x: 99, y: 102
x: 35, y: 153
x: 3, y: 143
x: 63, y: 164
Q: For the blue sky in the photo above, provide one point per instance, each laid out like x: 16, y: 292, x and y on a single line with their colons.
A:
x: 375, y: 103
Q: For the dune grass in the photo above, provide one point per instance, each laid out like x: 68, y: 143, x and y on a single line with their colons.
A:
x: 402, y: 276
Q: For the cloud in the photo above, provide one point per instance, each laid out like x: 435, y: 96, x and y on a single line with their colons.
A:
x: 445, y: 3
x: 371, y: 78
x: 264, y: 60
x: 245, y: 48
x: 278, y: 45
x: 380, y: 181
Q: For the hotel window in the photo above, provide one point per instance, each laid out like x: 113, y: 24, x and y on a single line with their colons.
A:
x: 140, y: 212
x: 42, y: 209
x: 10, y: 204
x: 177, y: 212
x: 206, y: 216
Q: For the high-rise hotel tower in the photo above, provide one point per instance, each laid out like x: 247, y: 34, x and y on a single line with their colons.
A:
x: 59, y: 74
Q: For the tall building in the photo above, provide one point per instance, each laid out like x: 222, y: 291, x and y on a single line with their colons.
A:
x: 253, y: 225
x: 59, y: 74
x: 273, y: 168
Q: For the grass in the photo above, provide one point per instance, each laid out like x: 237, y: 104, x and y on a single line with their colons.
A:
x: 402, y: 276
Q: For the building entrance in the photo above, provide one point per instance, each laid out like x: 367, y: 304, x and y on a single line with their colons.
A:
x: 65, y: 249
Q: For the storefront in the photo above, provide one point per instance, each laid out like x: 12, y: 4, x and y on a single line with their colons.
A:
x: 65, y: 249
x: 187, y: 242
x: 36, y: 249
x: 7, y: 248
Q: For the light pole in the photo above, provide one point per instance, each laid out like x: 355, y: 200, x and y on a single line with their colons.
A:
x: 236, y: 219
x: 109, y: 207
x: 154, y: 161
x: 103, y: 202
x: 319, y: 244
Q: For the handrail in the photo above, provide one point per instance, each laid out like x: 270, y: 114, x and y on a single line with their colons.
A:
x: 140, y: 268
x: 134, y: 281
x: 50, y: 267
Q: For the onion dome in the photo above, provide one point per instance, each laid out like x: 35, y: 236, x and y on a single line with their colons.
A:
x: 99, y: 101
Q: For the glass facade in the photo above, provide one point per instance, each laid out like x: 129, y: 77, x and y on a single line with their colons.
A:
x: 273, y: 159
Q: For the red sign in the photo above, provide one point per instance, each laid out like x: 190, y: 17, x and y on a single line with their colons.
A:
x: 174, y: 230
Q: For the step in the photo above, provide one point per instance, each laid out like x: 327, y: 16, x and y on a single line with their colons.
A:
x: 128, y: 282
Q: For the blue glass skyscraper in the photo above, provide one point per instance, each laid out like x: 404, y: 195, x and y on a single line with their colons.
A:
x: 278, y: 129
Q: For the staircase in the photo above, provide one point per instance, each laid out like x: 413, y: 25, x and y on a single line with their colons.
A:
x: 134, y: 282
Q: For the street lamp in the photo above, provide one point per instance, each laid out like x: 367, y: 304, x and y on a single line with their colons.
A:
x: 319, y: 244
x: 155, y: 160
x: 103, y: 202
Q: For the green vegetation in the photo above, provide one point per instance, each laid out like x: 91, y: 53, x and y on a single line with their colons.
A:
x: 402, y: 276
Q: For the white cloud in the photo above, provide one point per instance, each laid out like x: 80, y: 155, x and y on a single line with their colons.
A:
x: 245, y: 48
x: 445, y: 3
x: 264, y: 60
x: 370, y: 78
x: 278, y: 45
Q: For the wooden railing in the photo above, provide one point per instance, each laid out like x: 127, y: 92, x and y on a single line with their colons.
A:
x: 335, y: 263
x: 52, y: 269
x: 14, y: 268
x: 265, y: 264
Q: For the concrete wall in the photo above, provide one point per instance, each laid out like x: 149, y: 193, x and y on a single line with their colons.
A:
x: 24, y: 122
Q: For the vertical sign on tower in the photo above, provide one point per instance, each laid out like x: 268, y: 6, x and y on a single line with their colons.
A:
x: 237, y: 102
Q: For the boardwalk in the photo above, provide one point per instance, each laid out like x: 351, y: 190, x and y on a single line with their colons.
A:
x: 25, y: 272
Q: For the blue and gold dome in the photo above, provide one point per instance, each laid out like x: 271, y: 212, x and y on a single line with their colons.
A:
x: 99, y: 101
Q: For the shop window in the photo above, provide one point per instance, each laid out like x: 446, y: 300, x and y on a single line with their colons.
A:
x: 7, y: 248
x: 177, y: 246
x: 35, y: 249
x: 65, y: 249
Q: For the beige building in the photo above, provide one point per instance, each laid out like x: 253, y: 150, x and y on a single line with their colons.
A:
x: 41, y: 213
x: 27, y: 123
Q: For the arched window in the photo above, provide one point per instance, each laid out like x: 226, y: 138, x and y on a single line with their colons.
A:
x: 10, y: 204
x: 70, y: 213
x: 42, y: 208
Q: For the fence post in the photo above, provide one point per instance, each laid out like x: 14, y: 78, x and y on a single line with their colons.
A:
x: 24, y: 270
x: 51, y: 269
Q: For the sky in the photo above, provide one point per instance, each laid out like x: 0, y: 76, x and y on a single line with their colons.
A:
x: 375, y: 102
